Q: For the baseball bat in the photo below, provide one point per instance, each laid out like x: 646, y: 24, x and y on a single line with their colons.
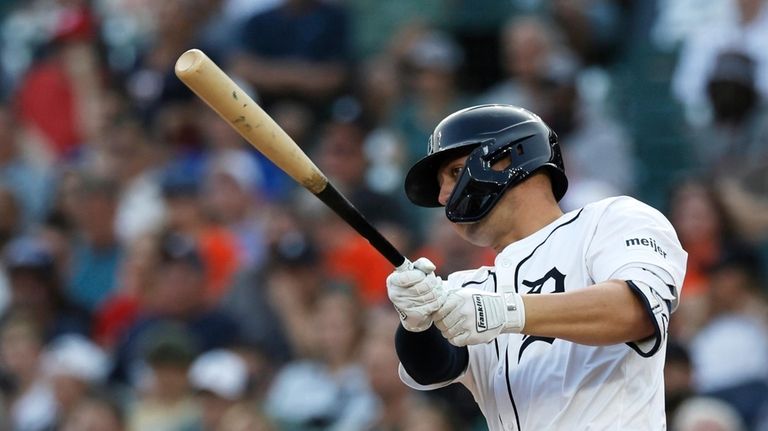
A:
x: 224, y: 96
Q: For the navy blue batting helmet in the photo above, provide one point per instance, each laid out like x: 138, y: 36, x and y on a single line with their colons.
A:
x: 487, y: 133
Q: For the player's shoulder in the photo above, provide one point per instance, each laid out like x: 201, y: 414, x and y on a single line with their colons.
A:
x: 621, y: 207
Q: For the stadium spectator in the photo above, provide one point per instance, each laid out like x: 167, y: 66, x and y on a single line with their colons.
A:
x: 164, y: 399
x: 272, y: 302
x: 220, y: 380
x: 96, y: 413
x: 328, y: 389
x: 738, y: 324
x: 74, y: 367
x: 29, y: 182
x: 37, y: 291
x: 96, y: 250
x: 28, y: 398
x: 176, y: 298
x: 298, y: 49
x: 746, y: 30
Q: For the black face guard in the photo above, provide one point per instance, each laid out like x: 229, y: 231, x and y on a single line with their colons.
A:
x: 480, y: 187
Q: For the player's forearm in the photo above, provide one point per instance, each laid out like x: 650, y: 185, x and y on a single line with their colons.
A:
x: 428, y: 357
x: 607, y: 313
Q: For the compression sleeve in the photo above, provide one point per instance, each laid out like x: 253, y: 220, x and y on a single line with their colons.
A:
x: 428, y: 357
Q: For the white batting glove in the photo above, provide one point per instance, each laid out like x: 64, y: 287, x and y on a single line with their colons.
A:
x: 416, y: 292
x: 474, y: 316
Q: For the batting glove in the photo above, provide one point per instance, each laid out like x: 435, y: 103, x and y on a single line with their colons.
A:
x: 416, y: 292
x: 474, y: 316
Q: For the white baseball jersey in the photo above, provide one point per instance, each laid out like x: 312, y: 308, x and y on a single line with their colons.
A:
x: 531, y: 383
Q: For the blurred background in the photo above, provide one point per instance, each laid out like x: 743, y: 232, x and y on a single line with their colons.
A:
x: 158, y: 274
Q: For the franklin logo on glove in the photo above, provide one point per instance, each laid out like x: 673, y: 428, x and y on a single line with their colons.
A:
x: 480, y: 313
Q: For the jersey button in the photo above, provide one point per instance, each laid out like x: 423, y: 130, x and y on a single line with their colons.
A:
x: 506, y: 263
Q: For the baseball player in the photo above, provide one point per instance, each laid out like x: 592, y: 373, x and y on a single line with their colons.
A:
x: 567, y: 330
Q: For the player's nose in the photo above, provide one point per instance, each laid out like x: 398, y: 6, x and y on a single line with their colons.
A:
x: 446, y: 188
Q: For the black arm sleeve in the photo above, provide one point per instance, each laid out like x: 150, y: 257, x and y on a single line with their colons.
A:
x: 428, y: 357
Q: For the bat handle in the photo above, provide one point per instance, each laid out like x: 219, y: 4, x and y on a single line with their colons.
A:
x: 335, y: 200
x: 406, y: 265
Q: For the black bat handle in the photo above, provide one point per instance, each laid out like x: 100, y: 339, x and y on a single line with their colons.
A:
x: 344, y: 208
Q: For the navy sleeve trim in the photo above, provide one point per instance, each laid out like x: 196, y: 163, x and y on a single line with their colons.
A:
x: 656, y: 330
x: 428, y: 357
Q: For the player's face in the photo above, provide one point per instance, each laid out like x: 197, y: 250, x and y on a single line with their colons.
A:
x: 480, y: 233
x: 447, y: 177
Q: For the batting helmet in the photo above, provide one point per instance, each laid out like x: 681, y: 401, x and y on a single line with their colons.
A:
x: 488, y: 133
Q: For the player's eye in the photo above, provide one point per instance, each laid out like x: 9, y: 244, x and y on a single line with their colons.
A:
x: 456, y: 171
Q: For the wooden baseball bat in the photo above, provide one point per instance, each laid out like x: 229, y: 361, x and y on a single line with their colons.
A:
x: 224, y: 96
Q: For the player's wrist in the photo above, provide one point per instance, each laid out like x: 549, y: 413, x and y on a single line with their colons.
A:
x: 417, y: 327
x: 514, y: 310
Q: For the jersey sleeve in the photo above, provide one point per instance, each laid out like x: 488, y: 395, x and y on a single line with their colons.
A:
x: 636, y: 243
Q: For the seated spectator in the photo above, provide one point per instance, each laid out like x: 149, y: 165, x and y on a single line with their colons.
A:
x: 735, y: 137
x: 11, y: 217
x: 131, y: 295
x: 430, y: 414
x: 60, y: 95
x: 245, y: 417
x: 678, y: 377
x: 36, y: 290
x: 730, y: 352
x: 432, y: 61
x: 96, y: 413
x: 176, y: 297
x: 220, y: 380
x: 75, y: 367
x: 746, y: 29
x: 530, y: 50
x: 381, y: 362
x: 231, y: 198
x: 706, y: 232
x: 733, y: 145
x: 29, y: 182
x: 329, y: 389
x: 271, y: 303
x: 96, y: 249
x: 164, y: 400
x: 296, y: 49
x: 185, y: 216
x: 704, y: 413
x: 27, y: 395
x: 133, y: 159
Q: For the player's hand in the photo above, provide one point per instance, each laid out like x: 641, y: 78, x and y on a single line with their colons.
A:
x: 474, y: 316
x: 416, y: 293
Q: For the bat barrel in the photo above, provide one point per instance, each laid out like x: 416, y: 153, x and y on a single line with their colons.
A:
x: 238, y: 109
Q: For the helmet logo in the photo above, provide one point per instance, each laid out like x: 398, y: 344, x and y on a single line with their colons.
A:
x: 434, y: 142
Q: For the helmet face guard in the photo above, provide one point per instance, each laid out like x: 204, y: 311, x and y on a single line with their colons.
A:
x: 480, y: 185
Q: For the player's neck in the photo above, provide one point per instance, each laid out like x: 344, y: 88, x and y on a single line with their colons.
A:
x: 528, y: 214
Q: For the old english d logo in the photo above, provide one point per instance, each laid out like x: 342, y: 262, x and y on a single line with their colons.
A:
x: 434, y: 143
x: 535, y: 287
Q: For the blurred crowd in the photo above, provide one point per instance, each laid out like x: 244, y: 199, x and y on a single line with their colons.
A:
x: 156, y: 273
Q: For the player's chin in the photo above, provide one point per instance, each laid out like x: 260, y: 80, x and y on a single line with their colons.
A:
x: 474, y: 233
